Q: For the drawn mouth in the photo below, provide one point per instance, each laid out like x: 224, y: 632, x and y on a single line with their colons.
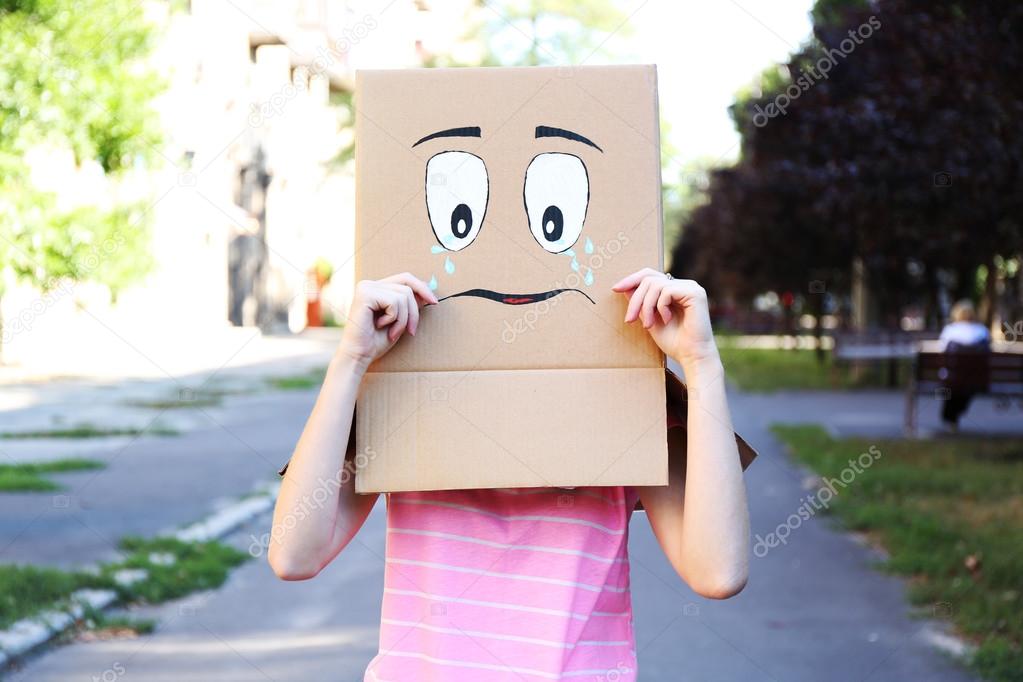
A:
x: 515, y: 299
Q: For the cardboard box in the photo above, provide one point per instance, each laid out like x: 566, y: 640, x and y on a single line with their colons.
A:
x: 522, y: 195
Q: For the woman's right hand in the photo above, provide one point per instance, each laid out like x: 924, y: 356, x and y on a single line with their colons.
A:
x: 381, y: 311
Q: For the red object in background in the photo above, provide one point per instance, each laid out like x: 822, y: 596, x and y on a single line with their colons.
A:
x: 787, y: 299
x: 315, y: 282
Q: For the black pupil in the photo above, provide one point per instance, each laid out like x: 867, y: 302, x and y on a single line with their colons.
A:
x: 553, y: 223
x: 461, y: 221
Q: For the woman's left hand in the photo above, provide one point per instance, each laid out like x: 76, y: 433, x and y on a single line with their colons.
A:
x: 674, y: 311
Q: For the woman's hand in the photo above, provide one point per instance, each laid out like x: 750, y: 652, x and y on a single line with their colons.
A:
x: 381, y: 311
x: 674, y: 311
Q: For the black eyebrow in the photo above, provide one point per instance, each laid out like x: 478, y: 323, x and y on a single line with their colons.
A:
x: 467, y: 131
x: 547, y: 131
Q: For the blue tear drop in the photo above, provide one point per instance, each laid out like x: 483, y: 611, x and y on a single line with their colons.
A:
x: 449, y: 267
x: 433, y: 283
x: 575, y: 265
x: 589, y: 277
x: 436, y: 248
x: 589, y: 246
x: 569, y: 252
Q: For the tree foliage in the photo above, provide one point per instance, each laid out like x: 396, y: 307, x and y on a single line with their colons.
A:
x: 906, y: 153
x: 73, y: 77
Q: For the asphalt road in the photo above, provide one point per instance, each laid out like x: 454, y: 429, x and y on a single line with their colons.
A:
x: 814, y: 609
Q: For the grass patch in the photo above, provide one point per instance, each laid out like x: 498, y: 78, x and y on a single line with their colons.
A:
x: 762, y: 369
x: 26, y: 590
x: 175, y: 403
x: 950, y: 514
x: 32, y: 476
x: 174, y: 568
x: 87, y: 431
x: 118, y: 626
x: 299, y: 382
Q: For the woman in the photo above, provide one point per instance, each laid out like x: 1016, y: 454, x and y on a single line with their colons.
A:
x: 524, y: 584
x: 962, y: 335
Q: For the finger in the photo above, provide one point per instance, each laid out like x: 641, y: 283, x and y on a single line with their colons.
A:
x: 636, y: 301
x: 386, y: 305
x: 653, y: 293
x: 664, y: 302
x: 633, y: 280
x: 418, y: 286
x: 413, y: 311
x: 400, y: 324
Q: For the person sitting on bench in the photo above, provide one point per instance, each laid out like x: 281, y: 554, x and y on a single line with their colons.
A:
x: 962, y: 335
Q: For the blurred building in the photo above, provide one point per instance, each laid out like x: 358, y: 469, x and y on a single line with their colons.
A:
x: 256, y: 181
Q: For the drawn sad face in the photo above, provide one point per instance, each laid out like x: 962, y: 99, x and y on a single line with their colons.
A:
x: 555, y: 193
x: 520, y: 195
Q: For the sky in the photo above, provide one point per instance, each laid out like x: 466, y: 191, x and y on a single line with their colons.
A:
x: 705, y: 52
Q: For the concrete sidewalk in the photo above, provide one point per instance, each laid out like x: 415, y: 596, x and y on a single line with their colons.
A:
x: 814, y: 609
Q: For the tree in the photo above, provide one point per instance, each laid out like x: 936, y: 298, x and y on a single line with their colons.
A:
x: 889, y: 138
x: 73, y: 77
x: 548, y: 32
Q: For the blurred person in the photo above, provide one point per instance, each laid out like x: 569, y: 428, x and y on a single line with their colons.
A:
x: 507, y: 543
x: 964, y: 334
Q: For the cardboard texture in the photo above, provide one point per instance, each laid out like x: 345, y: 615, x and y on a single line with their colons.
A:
x: 522, y: 195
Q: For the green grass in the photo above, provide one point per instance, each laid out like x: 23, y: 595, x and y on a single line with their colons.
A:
x: 175, y: 403
x: 31, y: 476
x: 196, y: 566
x: 299, y: 382
x: 102, y: 622
x: 950, y: 514
x: 28, y: 590
x: 765, y: 370
x: 86, y: 431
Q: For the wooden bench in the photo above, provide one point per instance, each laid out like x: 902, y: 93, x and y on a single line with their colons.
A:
x: 998, y: 374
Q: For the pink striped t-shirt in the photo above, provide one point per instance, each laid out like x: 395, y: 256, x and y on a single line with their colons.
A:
x: 507, y: 586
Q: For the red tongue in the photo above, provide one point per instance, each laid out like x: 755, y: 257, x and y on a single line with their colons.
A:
x: 512, y: 300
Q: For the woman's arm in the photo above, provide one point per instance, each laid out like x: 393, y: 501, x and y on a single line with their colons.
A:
x: 318, y: 512
x: 701, y: 518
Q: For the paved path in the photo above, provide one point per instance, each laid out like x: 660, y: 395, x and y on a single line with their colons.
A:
x: 814, y: 609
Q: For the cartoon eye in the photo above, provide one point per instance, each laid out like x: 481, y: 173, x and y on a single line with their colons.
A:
x: 557, y: 192
x: 457, y: 190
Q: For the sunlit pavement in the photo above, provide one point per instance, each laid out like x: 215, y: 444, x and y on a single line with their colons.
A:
x: 814, y: 609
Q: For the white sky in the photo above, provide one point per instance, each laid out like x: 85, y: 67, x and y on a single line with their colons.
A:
x: 705, y: 51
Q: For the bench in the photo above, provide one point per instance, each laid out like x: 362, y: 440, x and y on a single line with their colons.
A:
x: 998, y: 374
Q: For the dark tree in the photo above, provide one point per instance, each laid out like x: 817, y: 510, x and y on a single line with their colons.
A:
x: 892, y: 137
